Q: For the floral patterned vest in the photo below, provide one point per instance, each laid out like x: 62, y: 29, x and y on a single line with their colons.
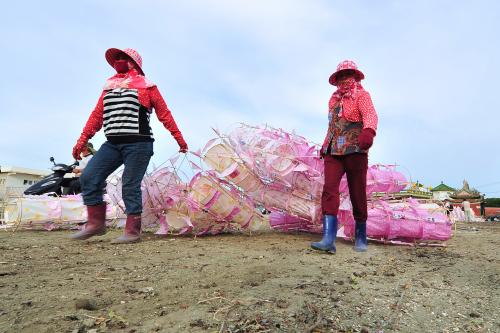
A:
x: 342, y: 136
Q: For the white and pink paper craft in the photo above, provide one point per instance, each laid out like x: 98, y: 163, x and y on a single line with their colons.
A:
x: 250, y: 167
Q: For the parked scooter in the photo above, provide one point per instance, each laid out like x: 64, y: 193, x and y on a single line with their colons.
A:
x: 56, y: 183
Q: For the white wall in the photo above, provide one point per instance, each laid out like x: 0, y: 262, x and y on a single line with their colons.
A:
x: 21, y: 180
x: 441, y: 195
x: 14, y: 184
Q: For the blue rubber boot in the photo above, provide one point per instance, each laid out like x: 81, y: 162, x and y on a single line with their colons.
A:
x: 360, y: 242
x: 329, y: 235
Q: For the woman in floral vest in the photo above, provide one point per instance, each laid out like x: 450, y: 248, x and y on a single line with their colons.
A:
x: 123, y: 110
x: 351, y: 129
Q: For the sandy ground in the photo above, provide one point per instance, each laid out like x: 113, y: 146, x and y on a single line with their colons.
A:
x: 238, y: 283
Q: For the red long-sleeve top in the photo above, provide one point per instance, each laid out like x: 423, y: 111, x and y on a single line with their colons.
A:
x: 357, y: 109
x: 148, y: 98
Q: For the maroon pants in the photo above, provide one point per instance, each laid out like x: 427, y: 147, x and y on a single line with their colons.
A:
x: 355, y: 167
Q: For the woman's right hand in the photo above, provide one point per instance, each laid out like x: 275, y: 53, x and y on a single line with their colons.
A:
x: 321, y: 155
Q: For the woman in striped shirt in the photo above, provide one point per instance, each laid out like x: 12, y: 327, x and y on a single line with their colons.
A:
x: 123, y: 109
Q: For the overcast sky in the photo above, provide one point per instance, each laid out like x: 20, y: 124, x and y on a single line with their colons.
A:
x: 431, y: 67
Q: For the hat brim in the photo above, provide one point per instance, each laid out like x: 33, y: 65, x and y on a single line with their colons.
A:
x: 113, y: 53
x: 358, y: 74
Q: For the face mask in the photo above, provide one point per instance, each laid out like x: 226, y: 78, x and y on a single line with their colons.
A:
x: 346, y: 84
x: 121, y: 66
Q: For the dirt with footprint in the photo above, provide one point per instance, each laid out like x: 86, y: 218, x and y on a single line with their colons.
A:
x: 270, y: 282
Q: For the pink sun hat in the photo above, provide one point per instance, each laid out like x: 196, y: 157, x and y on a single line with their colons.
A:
x: 113, y: 53
x: 346, y: 65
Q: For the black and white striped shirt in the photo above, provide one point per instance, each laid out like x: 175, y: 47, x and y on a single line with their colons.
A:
x: 125, y: 120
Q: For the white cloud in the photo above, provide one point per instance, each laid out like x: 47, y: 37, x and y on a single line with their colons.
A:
x: 432, y: 78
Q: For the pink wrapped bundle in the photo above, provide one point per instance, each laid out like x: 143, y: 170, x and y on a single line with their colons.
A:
x: 161, y: 190
x: 384, y: 178
x: 405, y: 229
x: 278, y: 157
x: 228, y: 165
x: 285, y: 222
x: 404, y: 221
x: 457, y: 214
x: 343, y: 187
x: 266, y: 165
x: 379, y: 178
x: 436, y: 231
x: 293, y: 205
x: 280, y: 160
x: 229, y: 210
x: 309, y: 188
x: 378, y: 224
x: 114, y: 190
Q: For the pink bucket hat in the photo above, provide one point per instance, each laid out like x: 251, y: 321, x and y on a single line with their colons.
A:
x: 112, y: 54
x: 346, y: 65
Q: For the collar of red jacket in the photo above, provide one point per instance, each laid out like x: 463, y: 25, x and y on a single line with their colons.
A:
x: 348, y: 89
x: 130, y: 80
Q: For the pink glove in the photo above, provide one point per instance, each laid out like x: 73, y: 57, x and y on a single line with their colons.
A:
x: 77, y: 149
x: 365, y: 139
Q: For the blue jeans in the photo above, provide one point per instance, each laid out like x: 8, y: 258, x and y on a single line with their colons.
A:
x: 135, y: 156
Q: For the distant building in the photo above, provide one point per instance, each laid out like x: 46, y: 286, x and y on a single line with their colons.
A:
x: 13, y: 182
x: 442, y: 192
x: 416, y: 191
x: 491, y: 211
x: 413, y: 190
x: 472, y: 196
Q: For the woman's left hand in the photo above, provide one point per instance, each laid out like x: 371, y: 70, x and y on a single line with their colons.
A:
x: 365, y: 139
x: 78, y: 148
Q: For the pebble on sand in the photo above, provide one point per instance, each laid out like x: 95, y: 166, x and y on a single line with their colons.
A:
x: 86, y: 304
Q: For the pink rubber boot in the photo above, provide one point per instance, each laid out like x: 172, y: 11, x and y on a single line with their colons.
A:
x: 132, y: 233
x: 96, y: 223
